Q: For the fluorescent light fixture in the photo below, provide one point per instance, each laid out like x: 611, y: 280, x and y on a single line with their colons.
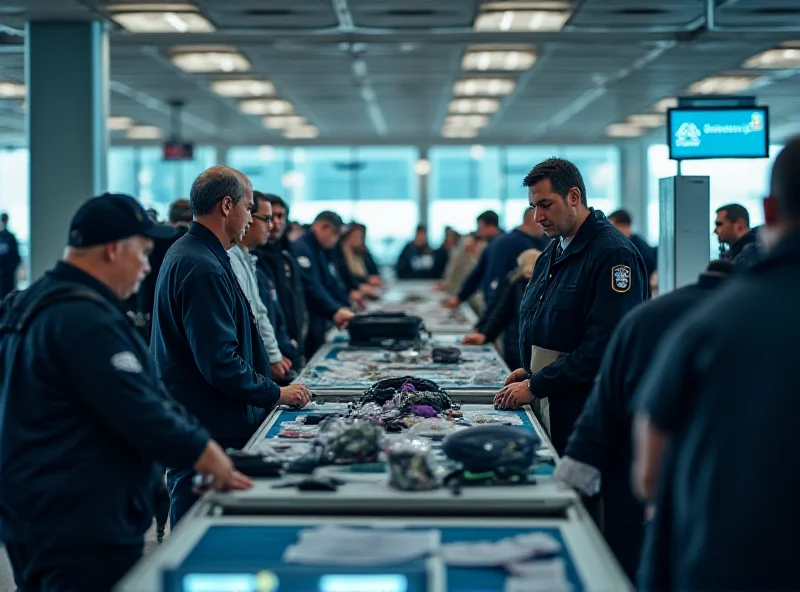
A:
x: 163, y: 22
x: 243, y: 88
x: 647, y: 119
x: 301, y: 132
x: 473, y: 120
x: 284, y: 121
x: 293, y: 179
x: 720, y: 85
x: 119, y: 123
x: 522, y: 20
x: 459, y: 132
x: 266, y: 153
x: 784, y: 57
x: 477, y: 151
x: 144, y: 132
x: 624, y: 130
x: 664, y: 104
x: 211, y: 61
x: 498, y: 59
x: 493, y: 87
x: 422, y: 167
x: 266, y: 107
x: 152, y: 7
x: 11, y: 90
x: 474, y: 105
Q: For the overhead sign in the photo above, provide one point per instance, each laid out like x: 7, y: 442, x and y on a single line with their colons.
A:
x: 717, y: 132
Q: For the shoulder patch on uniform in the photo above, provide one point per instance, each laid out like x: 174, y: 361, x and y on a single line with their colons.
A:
x: 304, y: 262
x: 621, y: 278
x: 126, y: 362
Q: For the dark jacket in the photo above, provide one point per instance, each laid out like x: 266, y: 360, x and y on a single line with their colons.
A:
x: 503, y: 318
x: 277, y: 260
x: 325, y: 293
x: 83, y: 420
x: 269, y: 296
x: 441, y: 257
x: 744, y: 252
x: 416, y: 263
x: 602, y: 434
x: 647, y: 252
x: 350, y: 279
x: 206, y: 344
x: 496, y: 262
x: 572, y: 305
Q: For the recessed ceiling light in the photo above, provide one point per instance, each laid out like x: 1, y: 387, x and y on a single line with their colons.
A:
x: 664, y: 104
x: 522, y: 20
x: 243, y: 88
x: 118, y: 123
x: 466, y: 120
x: 283, y: 121
x: 144, y: 132
x: 498, y: 59
x: 459, y: 132
x: 163, y: 22
x: 422, y: 167
x: 624, y: 130
x: 211, y: 61
x: 266, y: 107
x: 160, y: 7
x: 647, y: 119
x: 11, y: 90
x: 477, y: 151
x: 785, y: 57
x: 493, y: 87
x: 301, y: 132
x: 474, y: 105
x: 293, y: 179
x: 720, y: 85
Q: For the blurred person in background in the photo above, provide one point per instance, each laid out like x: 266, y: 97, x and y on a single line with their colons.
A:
x: 462, y: 261
x: 295, y: 231
x: 9, y: 258
x: 354, y: 261
x: 732, y: 227
x: 503, y: 318
x: 442, y: 254
x: 621, y: 219
x: 416, y: 260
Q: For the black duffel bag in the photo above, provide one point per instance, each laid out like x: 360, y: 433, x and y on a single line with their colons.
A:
x: 374, y: 329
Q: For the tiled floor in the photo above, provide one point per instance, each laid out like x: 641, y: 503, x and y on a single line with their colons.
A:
x: 7, y: 580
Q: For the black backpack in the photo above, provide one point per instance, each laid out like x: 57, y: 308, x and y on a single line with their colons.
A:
x: 374, y: 329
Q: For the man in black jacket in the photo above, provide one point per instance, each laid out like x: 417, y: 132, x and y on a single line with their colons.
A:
x: 277, y: 261
x: 206, y: 343
x: 84, y: 422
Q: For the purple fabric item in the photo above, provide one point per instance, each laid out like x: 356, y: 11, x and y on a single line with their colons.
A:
x: 423, y: 411
x: 389, y: 405
x: 408, y: 388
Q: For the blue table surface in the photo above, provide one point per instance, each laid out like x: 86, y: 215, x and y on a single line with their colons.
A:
x: 252, y: 547
x: 285, y: 415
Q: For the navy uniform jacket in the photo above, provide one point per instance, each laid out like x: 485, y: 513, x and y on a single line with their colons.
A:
x: 602, y: 434
x: 83, y: 421
x: 572, y: 305
x: 325, y: 293
x: 726, y: 395
x: 647, y: 252
x: 269, y: 296
x: 205, y: 340
x: 503, y: 318
x: 496, y: 262
x: 416, y: 263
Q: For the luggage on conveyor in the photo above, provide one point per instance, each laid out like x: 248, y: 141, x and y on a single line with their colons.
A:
x: 374, y: 329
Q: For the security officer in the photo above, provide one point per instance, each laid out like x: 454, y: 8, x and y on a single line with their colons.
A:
x: 206, y: 343
x: 83, y: 418
x: 582, y: 285
x: 599, y: 451
x: 326, y: 296
x: 726, y: 510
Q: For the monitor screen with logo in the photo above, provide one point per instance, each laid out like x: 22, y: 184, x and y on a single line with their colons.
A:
x: 718, y: 132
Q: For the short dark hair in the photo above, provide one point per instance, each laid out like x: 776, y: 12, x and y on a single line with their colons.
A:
x: 275, y: 200
x: 720, y: 266
x: 785, y: 180
x: 213, y: 185
x: 259, y: 197
x: 422, y: 228
x: 562, y: 174
x: 4, y: 218
x: 620, y: 217
x: 490, y: 218
x: 180, y: 210
x: 331, y: 218
x: 735, y: 212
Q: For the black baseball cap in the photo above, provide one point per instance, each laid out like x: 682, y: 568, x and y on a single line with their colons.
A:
x: 111, y: 217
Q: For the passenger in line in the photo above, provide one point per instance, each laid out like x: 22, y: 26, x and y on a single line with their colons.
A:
x: 732, y: 227
x: 582, y: 285
x: 206, y: 343
x: 623, y: 222
x: 9, y: 258
x: 724, y: 410
x: 85, y: 425
x: 417, y: 259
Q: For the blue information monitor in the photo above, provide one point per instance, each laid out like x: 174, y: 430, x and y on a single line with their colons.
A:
x: 718, y: 132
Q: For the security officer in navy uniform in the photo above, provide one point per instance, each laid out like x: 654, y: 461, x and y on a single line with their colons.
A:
x: 582, y: 285
x: 84, y: 422
x: 326, y: 296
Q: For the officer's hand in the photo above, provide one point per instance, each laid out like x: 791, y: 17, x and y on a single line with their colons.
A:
x: 342, y: 317
x: 218, y: 465
x: 513, y: 396
x: 375, y: 280
x: 516, y: 376
x: 281, y: 368
x: 440, y: 286
x: 474, y: 339
x: 356, y: 296
x: 295, y: 395
x: 452, y: 303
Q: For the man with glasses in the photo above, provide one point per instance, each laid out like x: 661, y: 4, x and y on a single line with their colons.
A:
x: 244, y: 267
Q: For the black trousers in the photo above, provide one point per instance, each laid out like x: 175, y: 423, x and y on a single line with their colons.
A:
x: 70, y: 569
